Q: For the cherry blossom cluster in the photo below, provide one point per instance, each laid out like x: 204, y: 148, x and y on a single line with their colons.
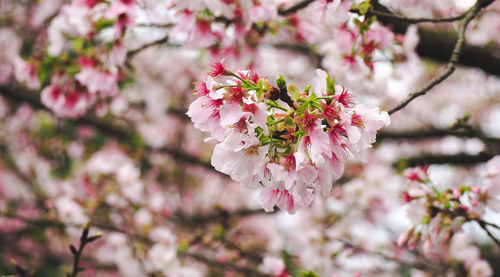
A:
x: 286, y: 141
x: 221, y: 24
x: 438, y: 215
x: 84, y: 64
x: 360, y: 39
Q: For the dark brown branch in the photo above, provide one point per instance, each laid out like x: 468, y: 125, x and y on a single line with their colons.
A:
x: 411, y: 20
x: 20, y: 270
x: 492, y: 142
x: 305, y: 50
x: 293, y: 9
x: 475, y: 56
x: 220, y: 215
x: 457, y: 159
x: 422, y: 134
x: 114, y: 128
x: 483, y: 58
x: 253, y: 256
x: 225, y: 265
x: 77, y: 254
x: 147, y: 241
x: 484, y: 226
x: 450, y: 67
x: 491, y: 224
x: 161, y: 41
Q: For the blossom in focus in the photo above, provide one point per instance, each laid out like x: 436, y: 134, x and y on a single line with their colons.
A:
x: 287, y: 142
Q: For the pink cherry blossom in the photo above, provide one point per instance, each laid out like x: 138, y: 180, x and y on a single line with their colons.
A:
x: 26, y: 74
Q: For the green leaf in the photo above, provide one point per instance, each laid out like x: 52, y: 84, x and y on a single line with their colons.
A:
x: 128, y: 80
x: 62, y: 167
x: 363, y: 7
x: 219, y: 232
x: 308, y: 273
x: 330, y: 85
x: 45, y: 71
x: 96, y: 142
x: 93, y: 238
x: 293, y: 91
x: 281, y: 82
x: 260, y: 91
x: 78, y: 44
x: 313, y: 97
x: 104, y: 23
x: 206, y: 13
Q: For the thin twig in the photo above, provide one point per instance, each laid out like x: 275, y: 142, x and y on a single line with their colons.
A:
x: 484, y: 227
x: 415, y: 19
x: 450, y: 67
x: 20, y: 270
x: 481, y: 221
x: 77, y: 254
x: 143, y: 239
x: 161, y: 41
x: 226, y: 265
x: 155, y: 25
x: 295, y: 8
x: 306, y: 50
x: 220, y: 215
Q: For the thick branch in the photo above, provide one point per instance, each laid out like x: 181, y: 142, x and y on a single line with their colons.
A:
x: 220, y: 215
x: 414, y: 19
x: 475, y: 56
x: 115, y: 128
x: 423, y: 134
x: 492, y: 143
x: 457, y: 159
x: 450, y: 67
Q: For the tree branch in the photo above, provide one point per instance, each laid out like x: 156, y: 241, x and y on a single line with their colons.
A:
x: 161, y: 41
x: 492, y: 144
x: 114, y: 128
x: 143, y: 239
x: 219, y: 215
x: 450, y: 67
x: 457, y: 159
x: 293, y: 9
x: 426, y: 134
x: 155, y: 25
x: 414, y: 19
x: 475, y: 56
x: 484, y: 225
x: 84, y: 240
x: 307, y: 51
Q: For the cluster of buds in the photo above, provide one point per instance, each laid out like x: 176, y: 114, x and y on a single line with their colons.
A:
x: 290, y: 143
x: 437, y: 215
